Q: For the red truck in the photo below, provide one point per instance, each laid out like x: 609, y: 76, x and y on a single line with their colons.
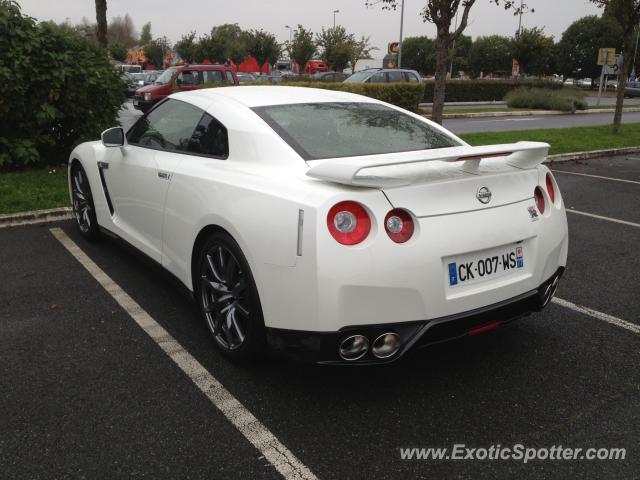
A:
x: 182, y: 78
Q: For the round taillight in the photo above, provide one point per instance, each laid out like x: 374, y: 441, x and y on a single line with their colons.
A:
x: 348, y: 223
x: 539, y: 196
x: 550, y: 188
x: 399, y: 225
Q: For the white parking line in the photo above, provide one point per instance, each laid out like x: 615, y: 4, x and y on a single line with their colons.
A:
x: 253, y: 430
x: 597, y: 176
x: 600, y: 217
x: 618, y: 322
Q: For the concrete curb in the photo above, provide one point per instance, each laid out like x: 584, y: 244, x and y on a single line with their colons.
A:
x: 575, y: 156
x: 529, y: 113
x: 35, y: 216
x: 465, y: 104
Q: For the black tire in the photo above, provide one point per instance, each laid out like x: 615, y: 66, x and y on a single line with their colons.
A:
x: 84, y: 210
x: 228, y: 299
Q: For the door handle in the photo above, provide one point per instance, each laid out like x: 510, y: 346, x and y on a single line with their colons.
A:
x: 103, y: 165
x: 164, y: 175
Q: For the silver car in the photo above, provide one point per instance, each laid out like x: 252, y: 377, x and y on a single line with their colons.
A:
x: 384, y: 75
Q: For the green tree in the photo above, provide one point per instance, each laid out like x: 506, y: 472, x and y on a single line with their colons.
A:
x: 490, y: 54
x: 578, y: 47
x: 145, y: 34
x: 302, y: 47
x: 534, y: 51
x: 335, y: 46
x: 264, y: 47
x: 101, y: 20
x: 186, y: 47
x: 419, y: 53
x: 361, y: 49
x: 118, y: 51
x: 441, y: 13
x: 156, y: 50
x: 627, y: 14
x: 46, y: 107
x: 232, y: 42
x: 459, y: 54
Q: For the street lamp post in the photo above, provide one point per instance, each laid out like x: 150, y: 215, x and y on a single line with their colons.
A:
x: 401, y: 25
x: 635, y: 54
x: 520, y: 18
x: 290, y: 38
x: 453, y: 48
x: 334, y: 17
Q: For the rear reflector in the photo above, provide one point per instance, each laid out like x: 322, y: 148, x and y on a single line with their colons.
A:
x: 483, y: 328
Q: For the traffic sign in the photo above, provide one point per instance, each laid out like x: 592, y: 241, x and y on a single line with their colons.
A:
x: 615, y: 68
x: 393, y: 47
x: 606, y: 56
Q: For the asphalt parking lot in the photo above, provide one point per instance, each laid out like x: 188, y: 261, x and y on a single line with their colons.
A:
x: 86, y: 393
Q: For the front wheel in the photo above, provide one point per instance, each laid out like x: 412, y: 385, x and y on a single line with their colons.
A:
x: 228, y: 299
x: 84, y: 211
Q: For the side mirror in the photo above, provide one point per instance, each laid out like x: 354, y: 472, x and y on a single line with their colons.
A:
x: 114, y: 137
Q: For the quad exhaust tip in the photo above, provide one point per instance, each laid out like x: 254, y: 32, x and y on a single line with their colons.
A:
x: 355, y: 347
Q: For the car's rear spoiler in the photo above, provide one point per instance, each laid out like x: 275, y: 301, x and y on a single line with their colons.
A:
x: 350, y: 171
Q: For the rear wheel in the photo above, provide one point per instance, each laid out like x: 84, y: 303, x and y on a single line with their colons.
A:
x: 83, y: 208
x: 228, y: 299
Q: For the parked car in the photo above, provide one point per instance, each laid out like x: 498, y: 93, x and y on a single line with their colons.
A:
x: 138, y: 78
x: 632, y: 89
x: 150, y: 76
x: 183, y: 78
x: 384, y: 75
x: 330, y: 76
x: 330, y: 226
x: 131, y: 84
x: 245, y: 77
x: 314, y: 66
x: 584, y: 83
x: 570, y: 81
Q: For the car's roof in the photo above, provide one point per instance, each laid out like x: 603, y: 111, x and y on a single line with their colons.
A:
x: 258, y: 95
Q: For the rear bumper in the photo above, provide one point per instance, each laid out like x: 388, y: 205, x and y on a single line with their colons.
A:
x: 322, y: 347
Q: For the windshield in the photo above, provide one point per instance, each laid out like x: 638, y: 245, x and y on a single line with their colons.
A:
x: 166, y: 76
x: 331, y: 130
x: 358, y: 77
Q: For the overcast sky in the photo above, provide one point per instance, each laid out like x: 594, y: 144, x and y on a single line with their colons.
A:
x: 175, y: 17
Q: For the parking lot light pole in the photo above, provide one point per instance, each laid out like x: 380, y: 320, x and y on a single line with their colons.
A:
x: 290, y: 39
x: 334, y: 17
x: 635, y: 54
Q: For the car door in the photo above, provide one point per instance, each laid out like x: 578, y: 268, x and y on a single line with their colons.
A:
x: 395, y: 76
x: 378, y: 77
x: 137, y: 177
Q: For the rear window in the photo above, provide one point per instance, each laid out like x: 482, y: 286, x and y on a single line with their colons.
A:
x: 331, y: 130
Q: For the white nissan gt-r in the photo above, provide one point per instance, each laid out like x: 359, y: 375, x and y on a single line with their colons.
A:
x: 326, y: 225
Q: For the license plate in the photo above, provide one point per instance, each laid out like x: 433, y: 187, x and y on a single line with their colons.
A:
x: 486, y: 265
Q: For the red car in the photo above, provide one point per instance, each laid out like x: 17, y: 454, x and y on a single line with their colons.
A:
x: 182, y: 78
x: 314, y: 66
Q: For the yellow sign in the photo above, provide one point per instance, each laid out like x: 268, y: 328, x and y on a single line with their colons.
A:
x: 393, y: 47
x: 606, y: 56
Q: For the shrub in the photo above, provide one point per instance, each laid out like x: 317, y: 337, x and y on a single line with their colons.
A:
x: 57, y: 90
x: 405, y: 95
x: 568, y: 100
x: 484, y: 90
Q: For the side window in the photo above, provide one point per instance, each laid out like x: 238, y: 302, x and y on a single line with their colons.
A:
x: 189, y: 78
x: 213, y: 76
x: 210, y: 138
x: 395, y: 76
x: 379, y: 77
x: 411, y: 77
x: 170, y: 126
x: 230, y: 79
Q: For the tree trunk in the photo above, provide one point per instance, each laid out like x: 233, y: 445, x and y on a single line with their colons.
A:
x: 101, y: 19
x: 627, y: 58
x: 442, y: 56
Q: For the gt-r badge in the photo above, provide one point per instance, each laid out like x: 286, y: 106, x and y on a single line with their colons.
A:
x: 533, y: 213
x: 483, y: 195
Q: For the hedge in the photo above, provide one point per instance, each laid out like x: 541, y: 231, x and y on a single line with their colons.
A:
x: 405, y: 95
x: 484, y: 90
x: 567, y: 100
x: 57, y: 90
